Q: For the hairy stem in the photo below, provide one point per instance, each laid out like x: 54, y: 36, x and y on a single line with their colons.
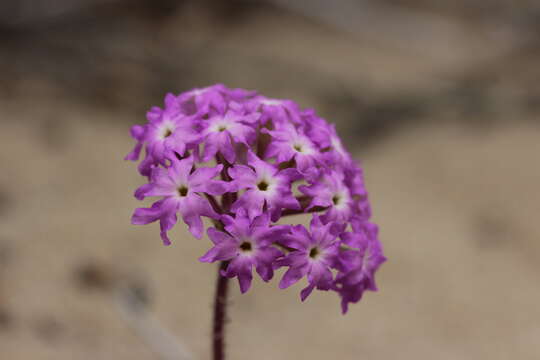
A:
x: 220, y: 314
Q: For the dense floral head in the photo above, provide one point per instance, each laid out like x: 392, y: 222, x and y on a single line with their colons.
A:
x: 245, y: 161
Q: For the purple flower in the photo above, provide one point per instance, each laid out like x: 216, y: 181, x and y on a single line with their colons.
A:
x: 288, y: 143
x: 170, y: 133
x: 276, y: 110
x: 325, y: 135
x: 238, y: 95
x: 200, y: 102
x: 354, y: 180
x: 246, y: 161
x: 182, y: 191
x: 332, y: 193
x: 245, y: 244
x: 223, y: 132
x: 314, y: 254
x: 359, y: 264
x: 266, y: 187
x: 137, y: 132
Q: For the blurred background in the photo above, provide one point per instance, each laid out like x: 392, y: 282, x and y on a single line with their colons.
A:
x: 440, y: 100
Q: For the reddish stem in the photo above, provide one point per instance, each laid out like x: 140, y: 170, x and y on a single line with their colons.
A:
x: 220, y: 313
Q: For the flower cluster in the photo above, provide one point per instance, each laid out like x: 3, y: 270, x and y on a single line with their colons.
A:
x: 244, y: 161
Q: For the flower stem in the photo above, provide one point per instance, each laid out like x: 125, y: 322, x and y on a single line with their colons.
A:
x: 220, y: 313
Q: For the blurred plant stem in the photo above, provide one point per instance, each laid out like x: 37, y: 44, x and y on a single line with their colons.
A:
x: 220, y: 313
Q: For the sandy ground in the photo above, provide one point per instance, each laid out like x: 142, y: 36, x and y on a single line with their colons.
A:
x: 455, y: 191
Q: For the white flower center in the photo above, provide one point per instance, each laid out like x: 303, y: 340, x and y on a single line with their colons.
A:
x: 262, y: 185
x: 340, y: 199
x: 302, y: 146
x: 166, y: 130
x: 315, y: 253
x: 246, y: 247
x: 182, y: 190
x: 266, y: 184
x: 220, y: 125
